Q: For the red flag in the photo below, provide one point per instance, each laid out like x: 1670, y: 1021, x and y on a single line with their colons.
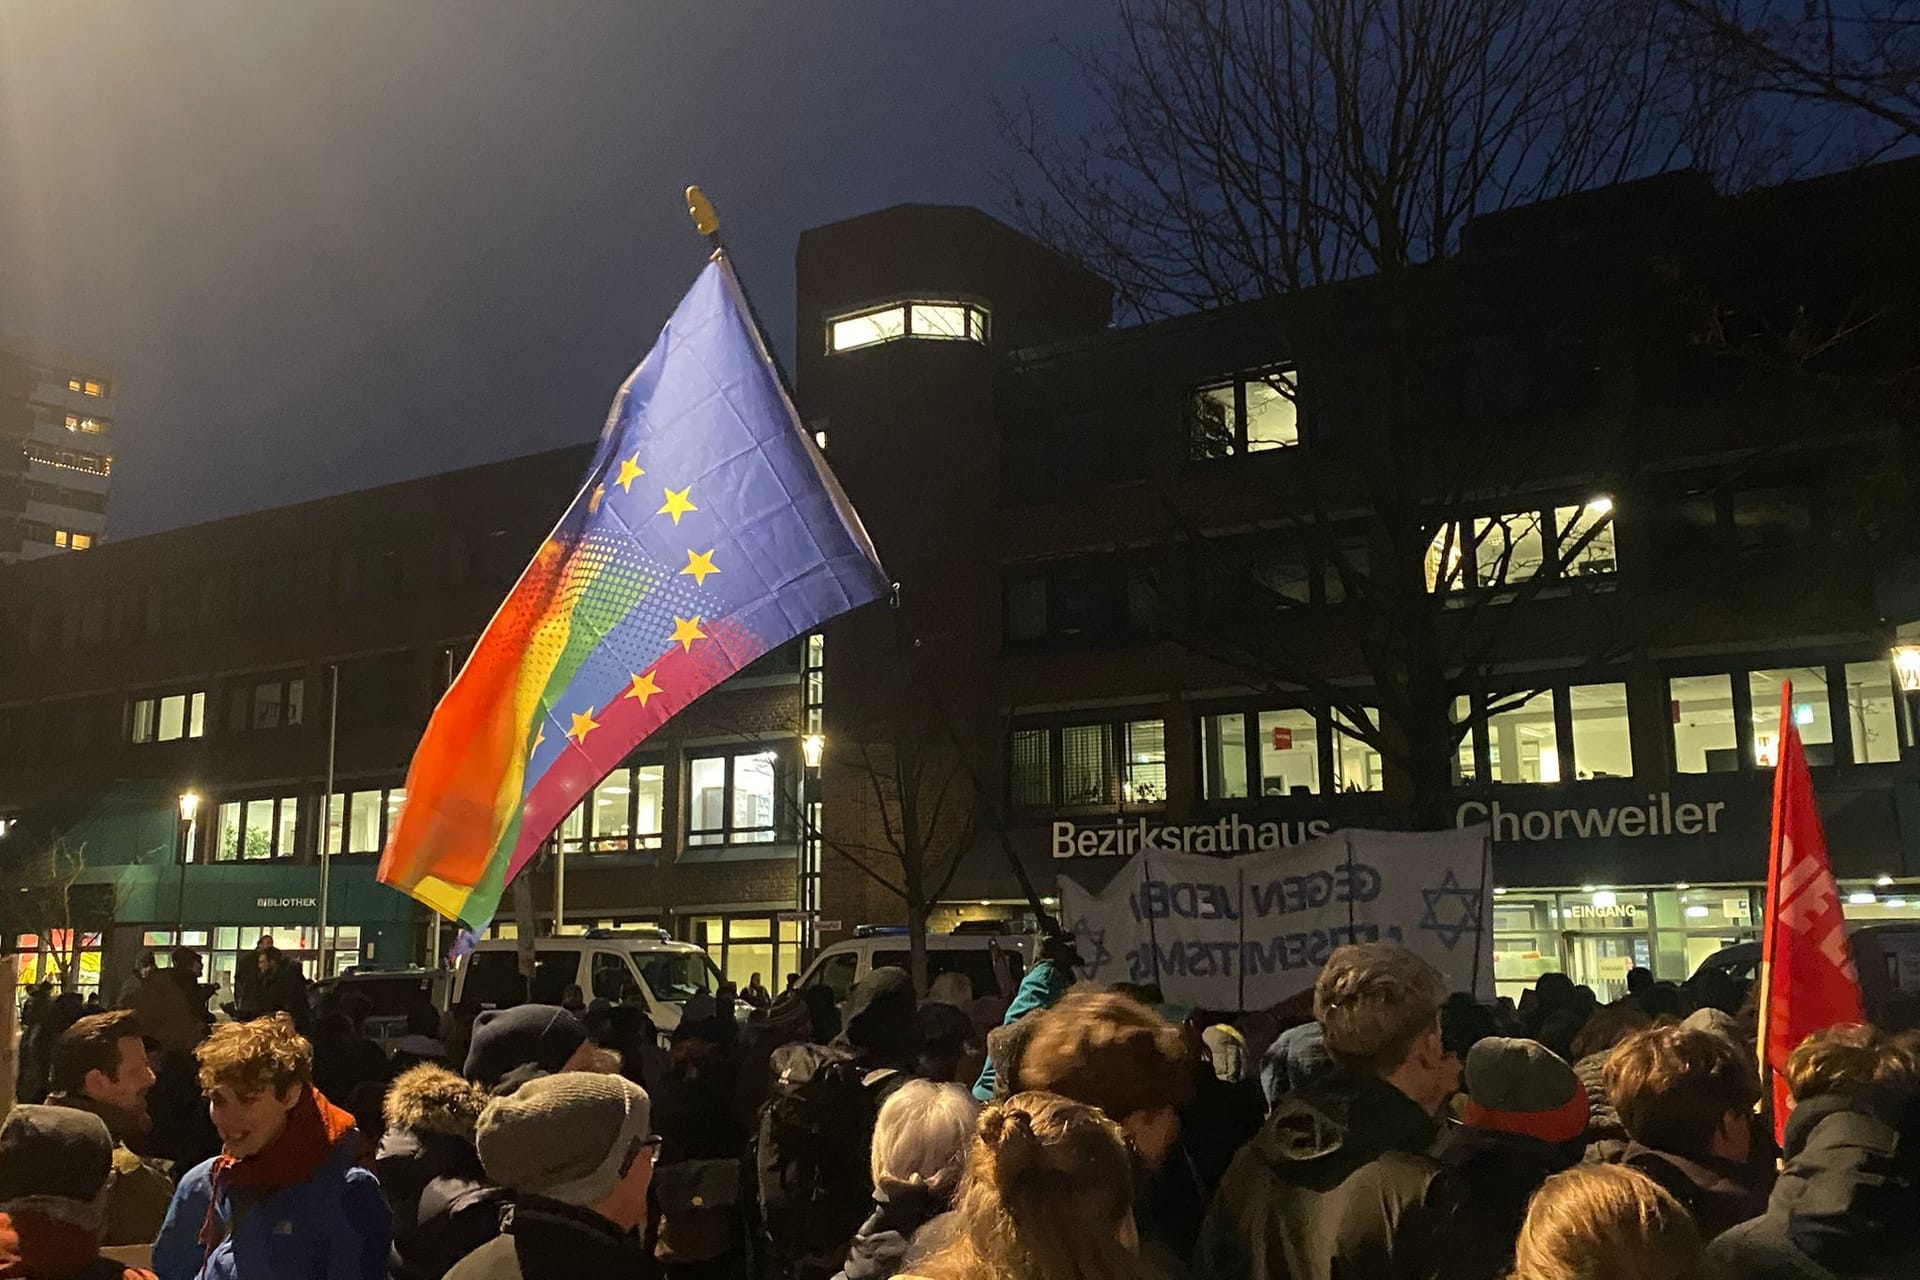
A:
x: 1808, y: 981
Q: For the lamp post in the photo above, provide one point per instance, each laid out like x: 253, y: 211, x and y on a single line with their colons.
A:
x: 813, y: 749
x: 182, y: 853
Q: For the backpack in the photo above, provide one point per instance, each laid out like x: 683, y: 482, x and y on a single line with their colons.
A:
x: 813, y: 1150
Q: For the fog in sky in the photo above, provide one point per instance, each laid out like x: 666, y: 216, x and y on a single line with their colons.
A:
x: 328, y: 245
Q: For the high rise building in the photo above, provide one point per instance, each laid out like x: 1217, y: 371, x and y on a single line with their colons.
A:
x: 56, y: 450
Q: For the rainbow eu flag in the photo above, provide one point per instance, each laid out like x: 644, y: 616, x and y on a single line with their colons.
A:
x: 708, y: 532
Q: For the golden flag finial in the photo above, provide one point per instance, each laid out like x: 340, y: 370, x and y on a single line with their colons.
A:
x: 700, y: 209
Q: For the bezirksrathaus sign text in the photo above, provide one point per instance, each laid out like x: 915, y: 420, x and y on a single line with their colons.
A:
x: 1658, y: 816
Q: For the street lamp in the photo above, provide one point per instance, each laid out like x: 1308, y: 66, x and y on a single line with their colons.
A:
x: 1906, y: 663
x: 812, y: 748
x: 182, y: 852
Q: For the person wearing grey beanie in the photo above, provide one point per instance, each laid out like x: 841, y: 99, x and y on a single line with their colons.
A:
x: 576, y: 1150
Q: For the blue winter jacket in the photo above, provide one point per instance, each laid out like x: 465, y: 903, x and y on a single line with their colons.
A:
x: 1041, y: 989
x: 333, y: 1226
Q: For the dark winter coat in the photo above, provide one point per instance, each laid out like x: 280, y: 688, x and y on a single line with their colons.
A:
x: 1718, y: 1193
x: 1848, y: 1203
x: 1499, y: 1173
x: 1337, y: 1184
x: 887, y: 1237
x: 444, y: 1206
x: 1607, y: 1138
x: 545, y: 1240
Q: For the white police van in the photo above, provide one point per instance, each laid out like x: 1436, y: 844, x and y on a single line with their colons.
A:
x: 623, y: 964
x: 967, y: 950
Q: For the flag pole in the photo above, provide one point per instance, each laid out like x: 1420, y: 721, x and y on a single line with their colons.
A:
x: 1771, y: 919
x: 326, y: 810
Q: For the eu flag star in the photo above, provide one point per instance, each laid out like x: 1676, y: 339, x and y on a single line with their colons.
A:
x: 699, y: 564
x: 686, y: 631
x: 1461, y: 917
x: 539, y: 736
x: 629, y: 472
x: 643, y: 688
x: 676, y: 504
x: 583, y: 724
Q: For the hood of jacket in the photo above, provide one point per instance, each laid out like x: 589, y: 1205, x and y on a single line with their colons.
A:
x: 1852, y: 1172
x: 879, y: 1018
x: 1346, y: 1116
x: 432, y: 1099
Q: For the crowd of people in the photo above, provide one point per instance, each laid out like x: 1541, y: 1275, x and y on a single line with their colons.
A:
x: 1376, y: 1127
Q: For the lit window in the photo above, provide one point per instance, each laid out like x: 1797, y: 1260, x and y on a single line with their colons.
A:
x: 866, y: 330
x: 1513, y: 547
x: 1507, y: 548
x: 81, y: 541
x: 733, y: 798
x: 1030, y: 768
x: 1289, y: 753
x: 1465, y: 768
x: 1586, y: 538
x: 1357, y: 766
x: 1086, y: 764
x: 1705, y: 739
x: 86, y: 386
x: 1246, y: 415
x: 952, y: 321
x: 1522, y: 743
x: 258, y: 829
x: 1810, y: 713
x: 1223, y: 757
x: 60, y: 538
x: 1146, y: 762
x: 1602, y: 745
x: 166, y: 719
x: 1872, y: 713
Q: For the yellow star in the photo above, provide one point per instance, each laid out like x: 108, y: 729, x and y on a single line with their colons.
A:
x: 593, y: 503
x: 583, y: 724
x: 629, y: 472
x: 699, y: 566
x: 643, y: 688
x: 686, y: 631
x: 539, y: 736
x: 676, y: 504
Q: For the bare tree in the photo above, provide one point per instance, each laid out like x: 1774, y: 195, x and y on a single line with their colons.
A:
x: 1862, y: 56
x: 1253, y: 150
x: 42, y: 896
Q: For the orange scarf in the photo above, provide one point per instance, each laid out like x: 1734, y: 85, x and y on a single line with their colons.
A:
x: 314, y: 1127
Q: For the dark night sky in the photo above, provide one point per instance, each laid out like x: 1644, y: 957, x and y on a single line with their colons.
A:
x: 330, y: 245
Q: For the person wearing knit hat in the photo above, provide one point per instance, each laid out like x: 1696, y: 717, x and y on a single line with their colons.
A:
x: 524, y: 1040
x: 1525, y: 1120
x: 576, y: 1150
x: 54, y: 1166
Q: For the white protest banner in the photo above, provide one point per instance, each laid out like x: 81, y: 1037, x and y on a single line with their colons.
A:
x: 1250, y: 931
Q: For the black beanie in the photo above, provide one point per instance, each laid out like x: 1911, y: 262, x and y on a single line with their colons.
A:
x: 537, y: 1035
x: 53, y: 1151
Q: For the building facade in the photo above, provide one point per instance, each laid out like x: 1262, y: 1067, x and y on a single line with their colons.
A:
x: 1531, y: 539
x: 239, y: 661
x: 56, y: 450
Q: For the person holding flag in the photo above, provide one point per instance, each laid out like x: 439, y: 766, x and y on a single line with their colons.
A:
x: 707, y: 532
x: 1807, y: 979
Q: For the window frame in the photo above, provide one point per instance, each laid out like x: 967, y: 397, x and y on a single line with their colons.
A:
x: 243, y: 803
x: 1739, y: 673
x: 1327, y: 722
x: 1119, y: 727
x: 1239, y: 447
x: 245, y: 691
x: 194, y: 706
x: 728, y: 834
x: 977, y: 326
x: 588, y: 841
x: 389, y: 811
x: 1461, y: 577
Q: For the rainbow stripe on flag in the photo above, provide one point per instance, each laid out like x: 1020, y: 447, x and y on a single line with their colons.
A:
x: 708, y: 532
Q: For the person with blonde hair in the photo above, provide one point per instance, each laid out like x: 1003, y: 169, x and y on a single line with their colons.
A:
x: 285, y: 1199
x: 1047, y: 1195
x: 1606, y: 1222
x: 920, y: 1142
x: 1339, y: 1182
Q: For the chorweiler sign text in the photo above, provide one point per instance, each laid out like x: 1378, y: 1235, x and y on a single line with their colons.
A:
x: 1510, y: 824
